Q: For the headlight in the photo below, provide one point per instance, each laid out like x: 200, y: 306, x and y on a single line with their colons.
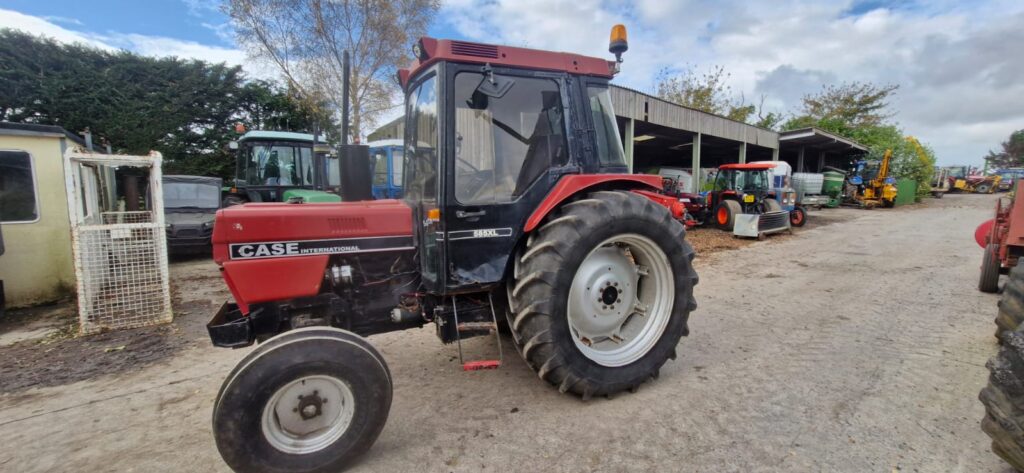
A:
x: 207, y: 224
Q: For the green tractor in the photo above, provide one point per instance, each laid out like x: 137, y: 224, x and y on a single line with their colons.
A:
x: 276, y: 166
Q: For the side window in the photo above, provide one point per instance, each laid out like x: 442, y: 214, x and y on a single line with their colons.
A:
x: 380, y: 168
x: 503, y: 144
x: 422, y: 128
x: 397, y: 162
x: 18, y: 198
x: 609, y: 148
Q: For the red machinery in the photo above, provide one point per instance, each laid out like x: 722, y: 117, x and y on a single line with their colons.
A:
x: 1002, y: 238
x: 518, y: 210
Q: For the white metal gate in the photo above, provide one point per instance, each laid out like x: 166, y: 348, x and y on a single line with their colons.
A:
x: 120, y: 256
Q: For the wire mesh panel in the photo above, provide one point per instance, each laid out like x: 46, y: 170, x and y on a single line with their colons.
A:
x: 120, y: 257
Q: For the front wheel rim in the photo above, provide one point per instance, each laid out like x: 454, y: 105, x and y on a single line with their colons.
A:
x: 308, y: 414
x: 621, y: 300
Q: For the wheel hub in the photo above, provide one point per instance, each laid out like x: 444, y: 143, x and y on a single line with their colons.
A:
x: 602, y: 295
x: 308, y: 414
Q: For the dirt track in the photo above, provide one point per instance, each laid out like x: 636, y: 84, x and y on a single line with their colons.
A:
x: 855, y: 346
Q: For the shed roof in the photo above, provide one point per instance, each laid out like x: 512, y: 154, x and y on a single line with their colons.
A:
x: 815, y: 138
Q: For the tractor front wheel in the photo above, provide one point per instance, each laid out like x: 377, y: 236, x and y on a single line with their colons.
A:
x: 311, y: 400
x: 984, y: 188
x: 797, y: 217
x: 989, y: 279
x: 725, y: 214
x: 602, y: 294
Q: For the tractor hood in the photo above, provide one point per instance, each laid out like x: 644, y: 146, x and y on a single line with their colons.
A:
x: 276, y: 230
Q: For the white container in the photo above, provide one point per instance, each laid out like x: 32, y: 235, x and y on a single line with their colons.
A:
x: 808, y: 182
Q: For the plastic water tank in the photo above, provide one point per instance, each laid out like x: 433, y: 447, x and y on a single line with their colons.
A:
x: 807, y: 182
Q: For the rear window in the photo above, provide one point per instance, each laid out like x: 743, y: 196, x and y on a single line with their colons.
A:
x: 18, y: 199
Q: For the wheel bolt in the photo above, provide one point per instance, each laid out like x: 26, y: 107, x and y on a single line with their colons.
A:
x: 618, y: 301
x: 616, y: 284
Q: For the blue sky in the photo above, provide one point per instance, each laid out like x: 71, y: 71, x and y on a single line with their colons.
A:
x: 957, y: 63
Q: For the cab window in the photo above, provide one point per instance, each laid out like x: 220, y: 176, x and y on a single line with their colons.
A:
x: 609, y: 148
x: 503, y: 144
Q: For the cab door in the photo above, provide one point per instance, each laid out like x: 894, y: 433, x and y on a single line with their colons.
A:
x: 508, y: 148
x: 424, y: 177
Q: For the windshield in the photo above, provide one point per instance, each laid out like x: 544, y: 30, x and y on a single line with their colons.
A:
x: 278, y: 164
x: 870, y: 170
x: 744, y: 181
x: 180, y: 195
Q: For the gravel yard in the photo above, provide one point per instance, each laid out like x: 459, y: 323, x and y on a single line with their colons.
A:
x: 856, y: 344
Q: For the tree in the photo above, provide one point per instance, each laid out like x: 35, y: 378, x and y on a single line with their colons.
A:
x: 1011, y: 154
x: 854, y: 104
x: 305, y: 40
x: 185, y: 109
x: 707, y: 92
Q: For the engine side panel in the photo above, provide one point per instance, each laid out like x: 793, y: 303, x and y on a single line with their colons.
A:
x: 258, y: 223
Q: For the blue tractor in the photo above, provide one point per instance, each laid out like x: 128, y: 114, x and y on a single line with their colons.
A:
x: 386, y: 157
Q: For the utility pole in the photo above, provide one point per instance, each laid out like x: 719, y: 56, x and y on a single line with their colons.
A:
x: 344, y: 97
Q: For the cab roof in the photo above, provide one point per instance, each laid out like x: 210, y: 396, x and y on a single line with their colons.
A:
x: 277, y: 136
x: 435, y: 50
x: 748, y: 166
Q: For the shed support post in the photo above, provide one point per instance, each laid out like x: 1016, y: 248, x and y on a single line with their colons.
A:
x: 821, y: 161
x: 800, y: 160
x: 743, y: 152
x: 775, y: 154
x: 629, y: 144
x: 695, y: 163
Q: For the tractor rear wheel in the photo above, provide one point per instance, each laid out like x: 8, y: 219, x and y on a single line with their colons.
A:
x: 772, y: 205
x: 989, y: 280
x: 983, y: 188
x: 725, y: 214
x: 1003, y: 399
x: 1011, y: 305
x: 602, y: 294
x: 311, y: 399
x: 797, y: 217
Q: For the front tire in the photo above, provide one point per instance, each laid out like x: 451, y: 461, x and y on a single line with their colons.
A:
x: 989, y: 278
x: 602, y: 294
x: 725, y: 214
x: 310, y: 400
x: 983, y: 189
x: 797, y: 217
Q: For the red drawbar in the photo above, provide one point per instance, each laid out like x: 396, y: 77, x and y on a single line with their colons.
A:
x: 673, y: 204
x: 463, y: 51
x: 573, y: 183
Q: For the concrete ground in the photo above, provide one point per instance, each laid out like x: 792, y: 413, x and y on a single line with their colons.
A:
x: 854, y: 346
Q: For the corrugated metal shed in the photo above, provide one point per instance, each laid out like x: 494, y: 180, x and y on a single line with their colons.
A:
x: 637, y: 105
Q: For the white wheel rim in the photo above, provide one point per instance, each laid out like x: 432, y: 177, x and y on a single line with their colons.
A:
x: 621, y: 300
x: 308, y: 414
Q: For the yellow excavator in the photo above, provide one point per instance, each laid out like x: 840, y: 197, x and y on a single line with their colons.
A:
x: 870, y: 183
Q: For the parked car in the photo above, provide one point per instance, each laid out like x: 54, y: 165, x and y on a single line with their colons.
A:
x: 190, y: 205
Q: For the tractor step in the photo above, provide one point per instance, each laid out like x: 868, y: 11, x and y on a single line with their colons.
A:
x: 481, y: 365
x: 470, y: 327
x: 477, y: 327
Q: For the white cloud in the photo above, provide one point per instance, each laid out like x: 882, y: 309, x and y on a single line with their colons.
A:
x: 957, y: 63
x: 159, y: 46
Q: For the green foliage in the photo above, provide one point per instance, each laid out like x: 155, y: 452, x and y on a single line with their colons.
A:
x: 1011, y: 154
x: 183, y: 108
x: 860, y: 111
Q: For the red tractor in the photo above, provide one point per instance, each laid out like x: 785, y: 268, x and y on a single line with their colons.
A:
x: 518, y: 211
x: 740, y: 201
x: 1002, y: 238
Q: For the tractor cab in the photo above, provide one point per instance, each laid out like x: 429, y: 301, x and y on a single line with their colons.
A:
x: 489, y: 132
x: 269, y: 164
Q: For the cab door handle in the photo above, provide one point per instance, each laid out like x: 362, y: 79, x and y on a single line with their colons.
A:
x: 473, y: 214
